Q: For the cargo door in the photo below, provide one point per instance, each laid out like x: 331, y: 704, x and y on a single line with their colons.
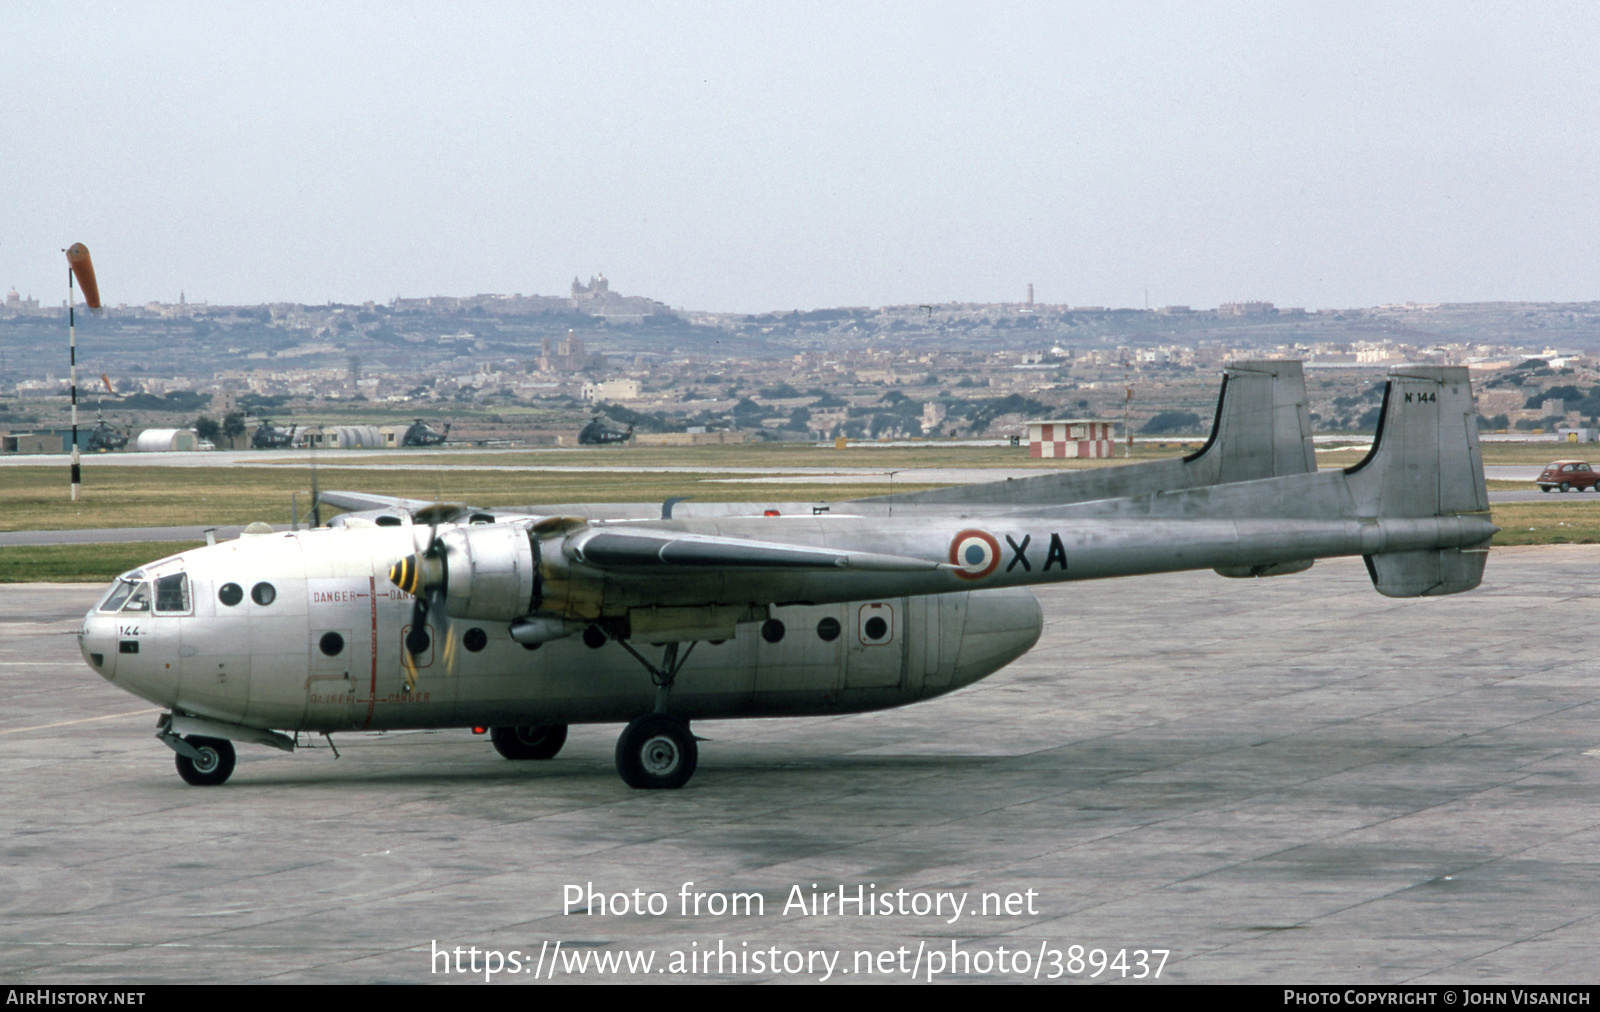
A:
x: 343, y: 617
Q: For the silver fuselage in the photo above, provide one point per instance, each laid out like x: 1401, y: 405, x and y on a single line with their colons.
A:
x: 265, y: 666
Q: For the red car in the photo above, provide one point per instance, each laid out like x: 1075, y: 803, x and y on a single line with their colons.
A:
x: 1568, y: 476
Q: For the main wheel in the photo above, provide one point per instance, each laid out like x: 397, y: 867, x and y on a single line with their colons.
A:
x: 656, y: 752
x: 532, y: 741
x: 214, y: 766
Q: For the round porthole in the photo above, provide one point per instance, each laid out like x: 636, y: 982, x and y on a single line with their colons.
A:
x: 475, y: 640
x: 875, y: 628
x: 594, y: 638
x: 230, y: 594
x: 263, y: 593
x: 331, y: 644
x: 828, y: 629
x: 772, y: 630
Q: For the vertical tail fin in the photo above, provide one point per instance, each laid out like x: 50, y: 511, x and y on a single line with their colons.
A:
x: 1262, y: 430
x: 1424, y: 462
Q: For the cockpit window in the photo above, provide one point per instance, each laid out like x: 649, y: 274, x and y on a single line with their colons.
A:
x: 139, y: 600
x: 119, y: 594
x: 172, y: 593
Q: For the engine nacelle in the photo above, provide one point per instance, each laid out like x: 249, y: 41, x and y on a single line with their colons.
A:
x: 490, y: 572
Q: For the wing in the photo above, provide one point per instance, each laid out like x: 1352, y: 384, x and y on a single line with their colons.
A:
x: 362, y: 501
x: 650, y: 551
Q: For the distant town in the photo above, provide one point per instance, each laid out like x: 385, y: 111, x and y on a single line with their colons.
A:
x: 533, y: 370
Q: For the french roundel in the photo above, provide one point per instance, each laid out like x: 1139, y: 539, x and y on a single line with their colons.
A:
x: 976, y: 552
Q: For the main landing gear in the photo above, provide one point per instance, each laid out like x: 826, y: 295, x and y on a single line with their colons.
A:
x: 657, y: 751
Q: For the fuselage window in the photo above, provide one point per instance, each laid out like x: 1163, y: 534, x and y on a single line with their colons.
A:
x: 139, y: 600
x: 263, y: 593
x: 828, y: 629
x: 172, y: 593
x: 475, y: 640
x: 331, y: 644
x: 230, y: 594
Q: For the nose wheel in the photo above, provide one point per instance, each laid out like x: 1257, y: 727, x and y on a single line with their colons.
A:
x: 211, y: 763
x: 657, y: 752
x: 532, y: 742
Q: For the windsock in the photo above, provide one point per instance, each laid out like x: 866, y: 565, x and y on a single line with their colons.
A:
x: 83, y: 270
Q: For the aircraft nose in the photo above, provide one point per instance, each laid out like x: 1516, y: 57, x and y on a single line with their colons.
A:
x: 97, y: 641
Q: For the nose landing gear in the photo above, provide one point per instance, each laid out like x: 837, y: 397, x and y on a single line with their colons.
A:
x: 204, y: 762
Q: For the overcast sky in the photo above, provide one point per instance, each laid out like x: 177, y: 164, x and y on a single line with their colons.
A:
x: 759, y: 156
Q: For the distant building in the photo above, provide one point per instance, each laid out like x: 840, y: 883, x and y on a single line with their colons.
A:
x: 1072, y: 437
x: 17, y: 305
x: 597, y: 299
x: 611, y: 390
x: 568, y: 355
x: 1246, y: 309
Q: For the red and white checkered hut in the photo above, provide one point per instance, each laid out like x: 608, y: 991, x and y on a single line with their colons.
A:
x: 1071, y: 437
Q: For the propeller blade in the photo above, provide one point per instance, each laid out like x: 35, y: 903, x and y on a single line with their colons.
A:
x: 423, y: 576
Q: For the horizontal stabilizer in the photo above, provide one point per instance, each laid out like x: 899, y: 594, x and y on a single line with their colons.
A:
x: 1427, y: 573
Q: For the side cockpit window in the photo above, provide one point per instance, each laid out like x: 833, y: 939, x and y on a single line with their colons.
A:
x: 172, y: 593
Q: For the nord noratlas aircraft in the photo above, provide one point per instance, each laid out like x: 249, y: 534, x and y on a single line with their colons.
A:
x: 410, y: 614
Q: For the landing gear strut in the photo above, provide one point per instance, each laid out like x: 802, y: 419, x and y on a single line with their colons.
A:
x: 657, y: 751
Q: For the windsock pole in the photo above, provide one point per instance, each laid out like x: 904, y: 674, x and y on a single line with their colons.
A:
x: 72, y: 351
x: 79, y: 266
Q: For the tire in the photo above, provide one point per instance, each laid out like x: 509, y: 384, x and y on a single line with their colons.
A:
x: 1565, y: 487
x: 531, y: 741
x: 214, y: 766
x: 656, y: 752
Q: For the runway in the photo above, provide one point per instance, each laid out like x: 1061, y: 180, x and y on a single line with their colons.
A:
x: 1279, y: 781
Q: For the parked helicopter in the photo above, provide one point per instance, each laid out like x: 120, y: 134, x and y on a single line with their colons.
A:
x: 422, y: 615
x: 105, y: 437
x: 272, y: 437
x: 597, y: 433
x: 420, y: 433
